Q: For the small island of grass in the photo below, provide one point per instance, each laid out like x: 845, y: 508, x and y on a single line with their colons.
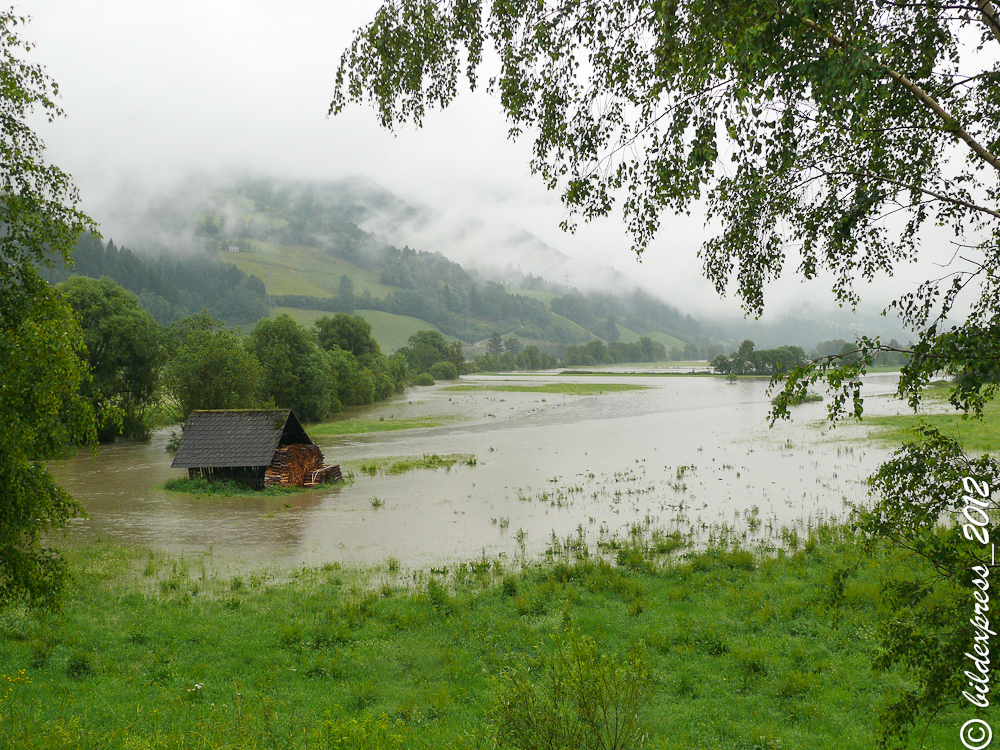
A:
x: 401, y: 465
x: 360, y: 426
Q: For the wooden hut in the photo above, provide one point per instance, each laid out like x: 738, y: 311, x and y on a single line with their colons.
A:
x: 259, y: 447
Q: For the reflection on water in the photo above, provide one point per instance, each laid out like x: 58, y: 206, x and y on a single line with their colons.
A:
x: 691, y: 448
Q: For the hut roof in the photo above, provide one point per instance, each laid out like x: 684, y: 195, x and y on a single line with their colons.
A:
x: 216, y: 439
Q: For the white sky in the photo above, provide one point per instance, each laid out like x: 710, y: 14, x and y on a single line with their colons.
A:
x: 154, y: 91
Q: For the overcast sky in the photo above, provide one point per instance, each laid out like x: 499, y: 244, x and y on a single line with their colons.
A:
x: 153, y: 92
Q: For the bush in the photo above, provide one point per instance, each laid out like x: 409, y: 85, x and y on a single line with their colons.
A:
x: 424, y: 378
x: 584, y: 699
x: 444, y: 371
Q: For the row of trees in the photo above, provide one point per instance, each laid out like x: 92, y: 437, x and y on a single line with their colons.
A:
x: 748, y: 361
x: 893, y: 354
x: 596, y: 352
x: 427, y: 352
x: 197, y: 363
x: 528, y: 358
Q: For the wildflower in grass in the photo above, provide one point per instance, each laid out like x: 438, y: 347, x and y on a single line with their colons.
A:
x: 11, y: 682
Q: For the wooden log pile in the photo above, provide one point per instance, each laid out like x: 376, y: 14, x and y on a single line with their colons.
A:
x: 326, y: 474
x: 293, y: 465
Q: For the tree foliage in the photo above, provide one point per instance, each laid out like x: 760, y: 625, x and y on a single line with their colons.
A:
x: 931, y: 592
x: 352, y: 333
x: 750, y: 361
x: 294, y: 370
x: 821, y: 134
x: 426, y: 348
x: 41, y: 370
x: 212, y: 368
x: 801, y: 126
x: 124, y: 352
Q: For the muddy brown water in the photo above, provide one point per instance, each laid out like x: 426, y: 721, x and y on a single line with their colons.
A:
x: 546, y: 463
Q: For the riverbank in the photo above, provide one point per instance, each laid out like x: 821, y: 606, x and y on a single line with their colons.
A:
x: 725, y: 648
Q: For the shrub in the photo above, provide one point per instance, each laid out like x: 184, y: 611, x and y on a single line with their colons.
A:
x: 424, y: 378
x: 444, y: 371
x: 586, y: 699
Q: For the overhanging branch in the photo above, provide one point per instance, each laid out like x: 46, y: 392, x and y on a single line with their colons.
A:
x: 928, y: 101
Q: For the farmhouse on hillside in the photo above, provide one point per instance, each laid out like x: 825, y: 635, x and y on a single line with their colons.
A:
x: 259, y: 447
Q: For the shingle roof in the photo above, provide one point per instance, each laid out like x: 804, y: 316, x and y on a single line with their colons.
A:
x: 214, y: 439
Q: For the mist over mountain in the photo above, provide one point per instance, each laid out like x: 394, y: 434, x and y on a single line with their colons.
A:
x: 356, y: 219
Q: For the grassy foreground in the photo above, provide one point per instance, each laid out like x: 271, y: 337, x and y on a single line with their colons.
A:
x: 721, y: 650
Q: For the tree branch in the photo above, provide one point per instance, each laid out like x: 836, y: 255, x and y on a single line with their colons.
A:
x: 950, y: 123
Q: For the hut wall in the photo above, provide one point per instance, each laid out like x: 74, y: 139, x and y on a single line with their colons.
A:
x: 293, y: 465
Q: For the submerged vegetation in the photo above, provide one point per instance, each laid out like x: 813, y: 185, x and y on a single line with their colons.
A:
x: 724, y: 648
x: 392, y: 466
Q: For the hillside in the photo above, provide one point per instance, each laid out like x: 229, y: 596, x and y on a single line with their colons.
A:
x: 301, y: 242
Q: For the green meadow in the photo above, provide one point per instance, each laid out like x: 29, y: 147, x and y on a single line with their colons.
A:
x: 295, y: 269
x: 976, y: 435
x: 725, y: 649
x: 360, y: 426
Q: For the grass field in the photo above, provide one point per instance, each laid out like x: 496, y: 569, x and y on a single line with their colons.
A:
x: 666, y: 339
x: 627, y: 335
x: 976, y: 435
x: 392, y: 331
x: 572, y: 389
x: 545, y: 297
x: 722, y: 649
x: 359, y: 426
x: 560, y: 322
x: 606, y: 373
x: 293, y: 269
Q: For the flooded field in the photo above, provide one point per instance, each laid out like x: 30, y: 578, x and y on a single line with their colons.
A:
x: 687, y: 453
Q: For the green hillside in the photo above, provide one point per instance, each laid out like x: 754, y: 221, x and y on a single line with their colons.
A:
x: 569, y: 325
x: 627, y: 335
x: 301, y: 249
x: 666, y: 339
x: 541, y: 296
x: 291, y: 269
x: 391, y: 331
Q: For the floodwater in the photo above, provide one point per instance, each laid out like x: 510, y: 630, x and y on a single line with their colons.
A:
x: 685, y: 453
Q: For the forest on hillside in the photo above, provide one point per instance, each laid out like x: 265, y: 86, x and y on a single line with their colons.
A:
x: 174, y: 283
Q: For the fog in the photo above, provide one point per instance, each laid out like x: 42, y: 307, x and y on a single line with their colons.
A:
x: 156, y: 93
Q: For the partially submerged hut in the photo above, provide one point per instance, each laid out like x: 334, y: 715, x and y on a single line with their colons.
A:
x: 260, y: 447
